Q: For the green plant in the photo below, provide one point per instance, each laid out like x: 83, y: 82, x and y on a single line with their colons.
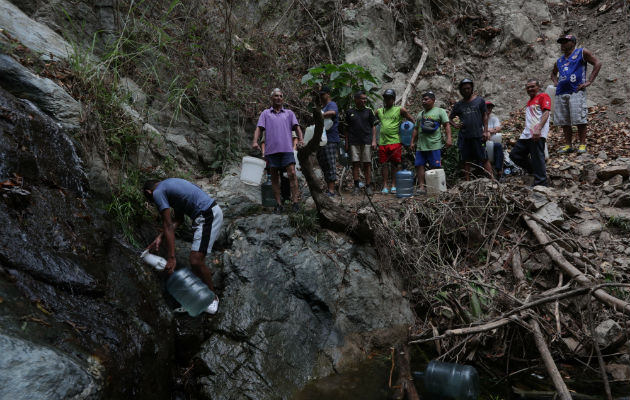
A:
x: 127, y: 206
x: 344, y: 80
x: 304, y: 221
x: 620, y: 223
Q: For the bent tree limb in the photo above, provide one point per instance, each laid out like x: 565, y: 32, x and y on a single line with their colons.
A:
x: 404, y: 387
x: 573, y: 272
x: 332, y: 215
x: 414, y: 77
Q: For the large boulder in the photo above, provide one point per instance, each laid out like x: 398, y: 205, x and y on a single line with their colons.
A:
x: 46, y: 94
x: 295, y: 308
x: 31, y: 371
x: 32, y: 34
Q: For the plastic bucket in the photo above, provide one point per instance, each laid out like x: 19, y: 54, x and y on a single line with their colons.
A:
x: 435, y: 180
x: 252, y: 170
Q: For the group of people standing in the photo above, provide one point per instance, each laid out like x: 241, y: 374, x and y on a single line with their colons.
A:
x: 471, y: 115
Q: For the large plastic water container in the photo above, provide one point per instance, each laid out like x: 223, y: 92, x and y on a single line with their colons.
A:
x: 406, y: 131
x: 490, y: 150
x: 268, y: 199
x: 189, y: 291
x: 252, y: 170
x: 435, y: 180
x: 453, y: 381
x: 404, y: 183
x: 551, y: 91
x: 309, y: 132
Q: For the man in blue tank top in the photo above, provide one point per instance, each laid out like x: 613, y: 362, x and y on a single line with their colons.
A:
x: 186, y: 198
x: 569, y: 76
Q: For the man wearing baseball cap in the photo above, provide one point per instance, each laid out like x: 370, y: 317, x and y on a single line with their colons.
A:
x: 389, y: 146
x: 569, y: 76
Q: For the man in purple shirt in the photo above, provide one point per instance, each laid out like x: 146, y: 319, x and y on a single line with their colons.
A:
x: 278, y: 123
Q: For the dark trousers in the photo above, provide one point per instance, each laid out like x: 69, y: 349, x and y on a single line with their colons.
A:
x: 530, y: 155
x: 498, y: 156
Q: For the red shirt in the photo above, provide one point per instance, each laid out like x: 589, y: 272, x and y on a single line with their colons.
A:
x: 533, y: 114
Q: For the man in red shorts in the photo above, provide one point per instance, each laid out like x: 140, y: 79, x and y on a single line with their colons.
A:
x: 389, y: 146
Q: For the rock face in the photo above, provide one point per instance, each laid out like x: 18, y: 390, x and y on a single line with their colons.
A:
x: 32, y: 34
x: 294, y: 309
x: 42, y: 91
x: 30, y: 371
x: 66, y: 283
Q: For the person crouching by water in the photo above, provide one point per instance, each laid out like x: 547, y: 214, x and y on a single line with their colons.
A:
x: 186, y: 198
x: 529, y: 151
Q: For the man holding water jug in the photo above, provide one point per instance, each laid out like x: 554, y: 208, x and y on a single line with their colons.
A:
x: 389, y: 146
x: 428, y: 135
x: 186, y: 198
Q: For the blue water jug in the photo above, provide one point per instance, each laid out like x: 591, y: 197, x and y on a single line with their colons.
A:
x: 189, y: 291
x: 453, y: 381
x: 406, y: 131
x: 404, y: 183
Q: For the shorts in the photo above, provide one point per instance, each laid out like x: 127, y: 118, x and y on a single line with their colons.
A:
x: 280, y: 160
x: 472, y: 149
x: 327, y: 158
x: 570, y: 109
x: 206, y: 229
x: 431, y: 157
x: 390, y: 152
x: 361, y: 152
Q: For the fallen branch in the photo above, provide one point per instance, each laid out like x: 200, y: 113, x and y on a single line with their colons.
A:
x: 552, y: 369
x: 572, y: 271
x: 414, y: 77
x: 600, y: 359
x: 404, y: 383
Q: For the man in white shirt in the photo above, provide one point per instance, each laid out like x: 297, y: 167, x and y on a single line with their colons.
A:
x: 529, y: 151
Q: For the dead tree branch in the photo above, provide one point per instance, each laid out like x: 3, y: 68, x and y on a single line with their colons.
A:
x: 414, y: 77
x: 552, y: 369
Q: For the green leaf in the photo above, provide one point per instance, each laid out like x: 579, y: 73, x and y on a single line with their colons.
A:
x: 475, y: 305
x: 306, y: 78
x: 344, y: 91
x: 367, y: 85
x: 334, y: 75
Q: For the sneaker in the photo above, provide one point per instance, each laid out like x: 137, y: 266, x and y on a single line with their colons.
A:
x: 369, y: 190
x: 277, y: 209
x: 355, y: 191
x: 213, y: 307
x: 581, y: 149
x: 565, y: 149
x: 393, y: 190
x: 385, y: 191
x: 295, y: 207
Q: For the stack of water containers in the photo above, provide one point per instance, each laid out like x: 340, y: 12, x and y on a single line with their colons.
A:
x: 189, y: 291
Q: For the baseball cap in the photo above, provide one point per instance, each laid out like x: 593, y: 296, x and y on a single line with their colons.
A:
x: 324, y: 89
x: 429, y: 94
x: 489, y: 103
x: 389, y: 93
x: 466, y: 80
x: 567, y: 37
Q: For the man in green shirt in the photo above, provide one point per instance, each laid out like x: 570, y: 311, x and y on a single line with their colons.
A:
x: 389, y: 147
x: 428, y: 136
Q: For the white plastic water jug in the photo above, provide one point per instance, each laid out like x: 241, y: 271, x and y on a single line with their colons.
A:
x: 309, y: 132
x: 189, y: 291
x: 490, y: 150
x: 252, y: 170
x: 157, y: 262
x: 435, y: 180
x: 551, y: 91
x: 497, y: 138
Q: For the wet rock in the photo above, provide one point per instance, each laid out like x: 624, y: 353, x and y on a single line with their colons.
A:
x: 295, y: 309
x: 571, y: 205
x: 31, y: 33
x: 31, y: 371
x: 612, y: 212
x: 589, y: 227
x: 609, y: 333
x: 536, y: 200
x: 602, y: 155
x: 47, y: 95
x: 550, y: 213
x: 605, y: 174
